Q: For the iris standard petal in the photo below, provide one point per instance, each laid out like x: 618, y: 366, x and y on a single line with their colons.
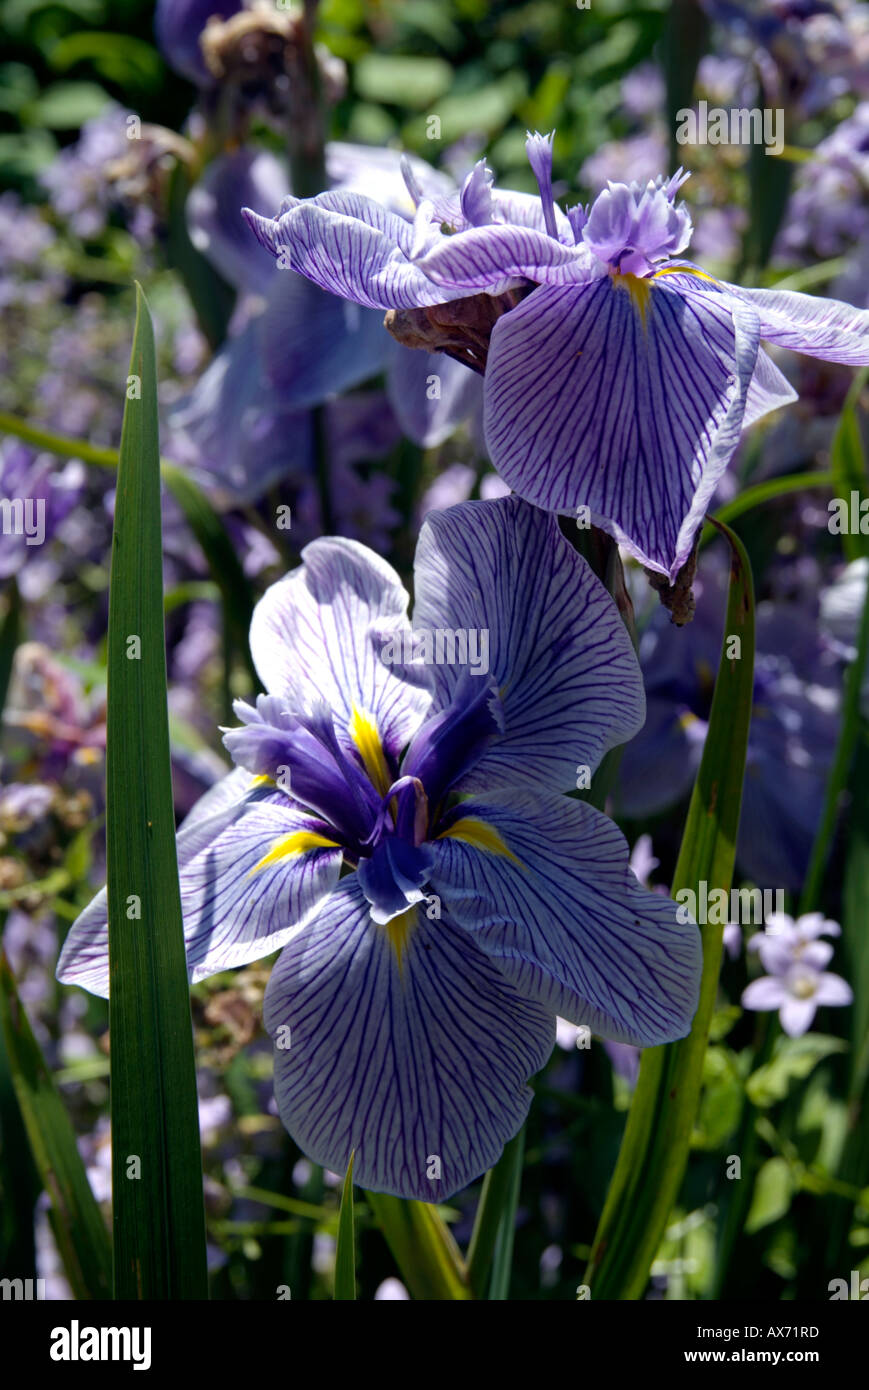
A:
x: 230, y: 917
x: 413, y: 1051
x: 808, y: 323
x: 543, y: 885
x: 558, y: 651
x: 327, y: 240
x: 317, y: 636
x: 626, y: 396
x: 247, y: 177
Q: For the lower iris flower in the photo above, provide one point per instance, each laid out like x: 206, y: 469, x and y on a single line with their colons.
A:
x: 401, y: 828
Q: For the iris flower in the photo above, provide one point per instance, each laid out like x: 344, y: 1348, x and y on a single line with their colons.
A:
x: 403, y: 832
x: 623, y: 375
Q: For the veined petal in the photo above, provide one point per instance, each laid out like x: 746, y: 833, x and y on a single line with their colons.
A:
x: 627, y: 396
x: 317, y: 636
x: 769, y: 389
x: 230, y: 916
x: 807, y: 323
x: 569, y: 925
x: 490, y: 259
x: 416, y: 1056
x: 327, y: 241
x: 558, y: 651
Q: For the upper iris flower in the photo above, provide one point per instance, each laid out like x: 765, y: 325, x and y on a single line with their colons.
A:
x: 622, y: 376
x: 403, y: 832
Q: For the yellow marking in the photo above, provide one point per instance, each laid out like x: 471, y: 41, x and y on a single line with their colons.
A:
x: 363, y: 731
x: 687, y: 719
x: 682, y: 270
x: 298, y: 842
x: 263, y: 780
x: 481, y: 835
x: 638, y: 288
x: 398, y: 931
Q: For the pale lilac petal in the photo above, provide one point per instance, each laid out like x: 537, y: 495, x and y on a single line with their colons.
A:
x: 833, y: 990
x: 430, y: 393
x: 807, y: 323
x: 318, y: 635
x: 558, y: 650
x: 768, y: 992
x: 796, y: 1015
x: 633, y: 410
x: 769, y: 390
x: 415, y: 1059
x: 568, y: 924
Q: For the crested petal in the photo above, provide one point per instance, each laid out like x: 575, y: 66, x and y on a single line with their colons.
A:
x: 318, y: 635
x: 404, y: 1044
x: 627, y: 396
x: 231, y: 915
x: 558, y: 651
x: 490, y: 259
x: 568, y: 924
x: 808, y: 323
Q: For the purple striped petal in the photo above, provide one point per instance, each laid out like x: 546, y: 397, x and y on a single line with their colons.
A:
x: 627, y: 401
x: 807, y: 323
x: 317, y: 637
x: 231, y: 915
x: 490, y: 259
x: 569, y: 924
x: 769, y: 389
x: 558, y: 651
x: 416, y: 1059
x: 351, y: 247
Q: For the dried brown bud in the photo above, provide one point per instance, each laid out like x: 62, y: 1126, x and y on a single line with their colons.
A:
x: 461, y: 328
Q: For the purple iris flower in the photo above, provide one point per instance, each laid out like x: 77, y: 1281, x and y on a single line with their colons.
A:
x: 179, y: 25
x: 439, y: 897
x: 623, y: 377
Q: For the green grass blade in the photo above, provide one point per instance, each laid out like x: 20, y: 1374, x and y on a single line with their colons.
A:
x: 497, y: 1205
x: 10, y: 636
x: 848, y: 466
x: 502, y: 1264
x: 657, y: 1136
x: 428, y: 1258
x: 345, y: 1248
x: 159, y: 1222
x: 770, y: 491
x: 79, y: 1230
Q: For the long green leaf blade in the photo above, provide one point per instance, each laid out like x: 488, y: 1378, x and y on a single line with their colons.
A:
x: 159, y: 1223
x: 428, y: 1258
x: 345, y: 1246
x: 79, y: 1230
x: 657, y: 1136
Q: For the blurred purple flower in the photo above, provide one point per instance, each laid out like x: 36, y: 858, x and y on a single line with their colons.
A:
x: 178, y: 25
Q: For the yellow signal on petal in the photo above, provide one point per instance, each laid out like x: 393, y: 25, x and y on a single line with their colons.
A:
x: 363, y: 731
x: 262, y: 779
x: 638, y: 288
x: 297, y: 842
x: 682, y: 270
x: 481, y: 835
x: 399, y: 930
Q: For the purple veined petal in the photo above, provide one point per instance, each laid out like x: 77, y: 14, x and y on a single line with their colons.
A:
x: 319, y: 634
x: 314, y: 345
x: 252, y: 178
x: 807, y: 323
x: 231, y: 917
x: 430, y: 393
x: 526, y: 210
x: 416, y: 1056
x: 628, y: 399
x: 378, y: 174
x: 351, y: 247
x: 796, y: 1015
x: 568, y: 924
x: 768, y: 992
x: 769, y: 390
x: 833, y: 990
x: 491, y: 259
x: 557, y: 649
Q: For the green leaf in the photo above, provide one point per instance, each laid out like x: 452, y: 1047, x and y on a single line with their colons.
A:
x: 77, y: 1223
x: 397, y: 80
x: 849, y: 468
x: 792, y: 1060
x: 65, y: 105
x: 10, y: 636
x: 657, y: 1136
x: 159, y: 1221
x: 496, y: 1214
x: 773, y: 1192
x: 755, y: 496
x: 428, y: 1258
x: 345, y: 1248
